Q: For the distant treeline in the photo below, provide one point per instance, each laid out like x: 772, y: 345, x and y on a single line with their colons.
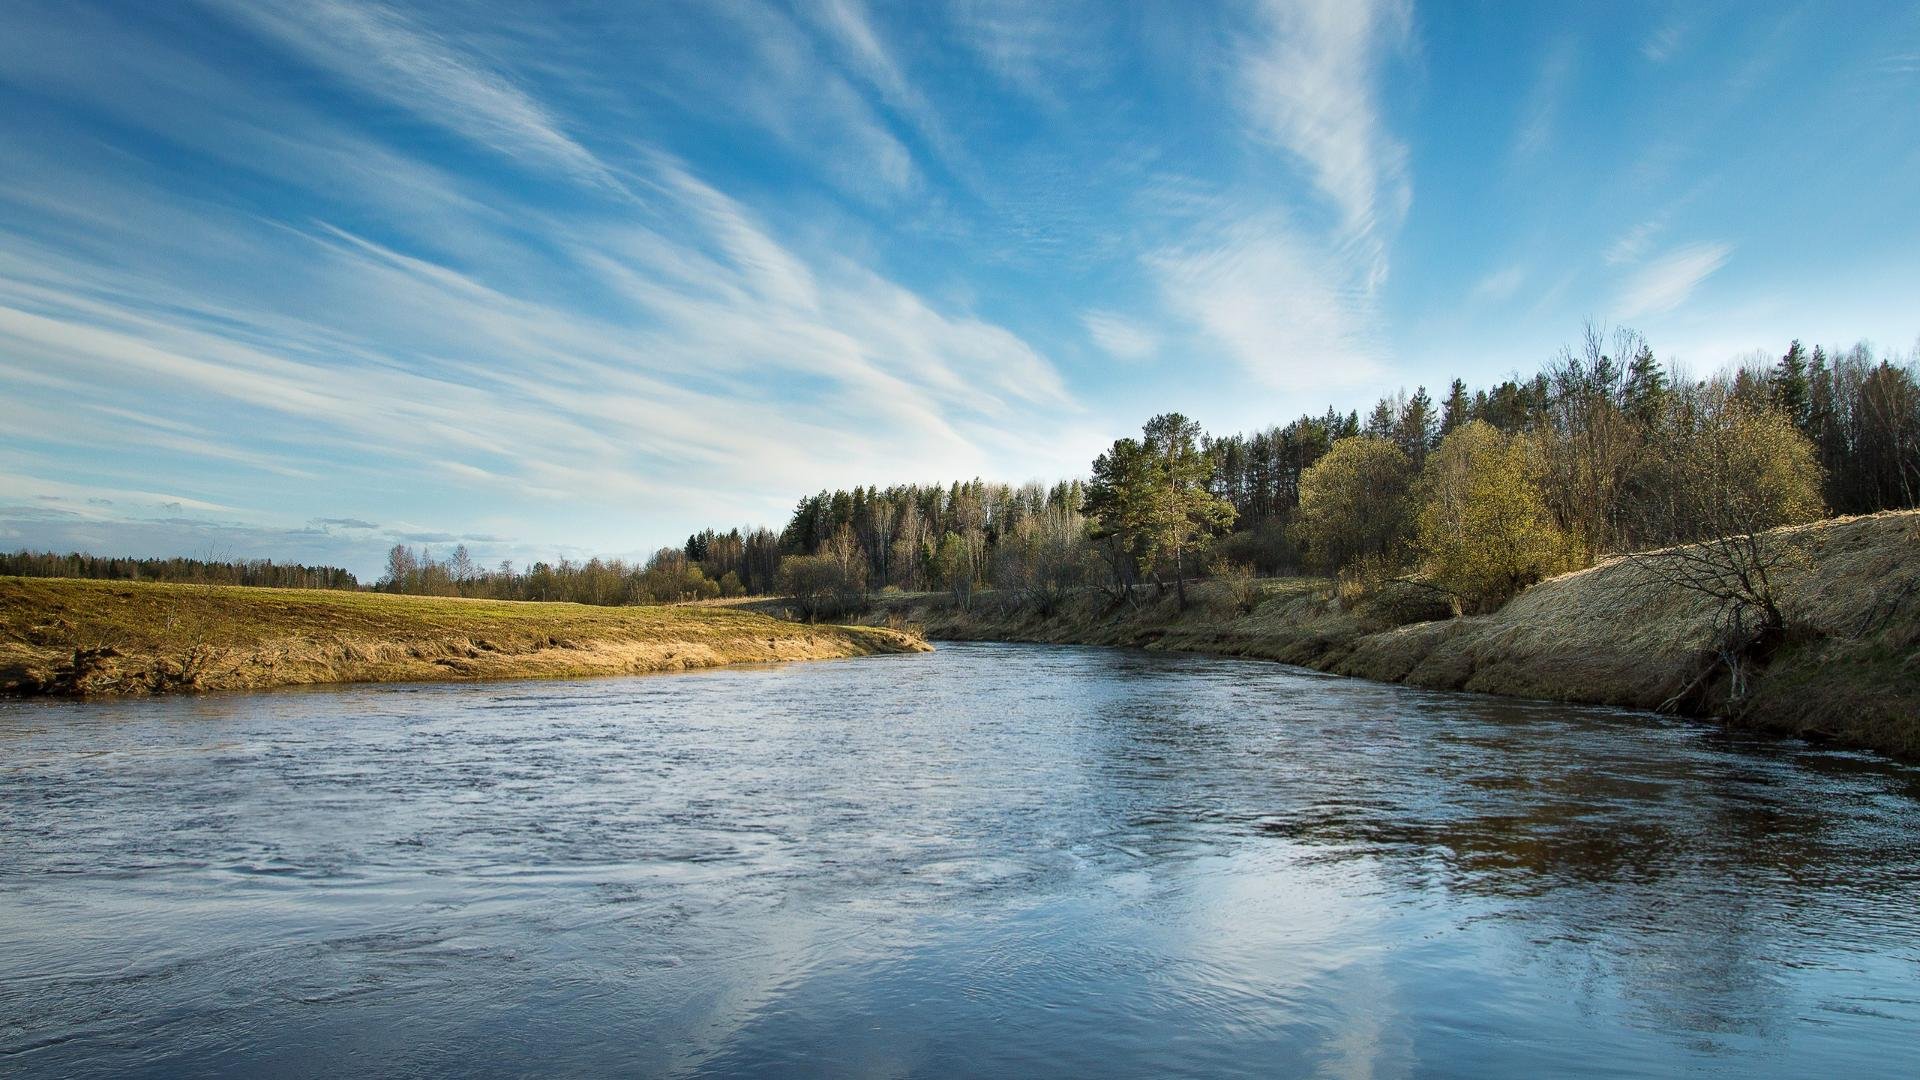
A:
x: 262, y: 572
x: 895, y: 534
x: 711, y: 565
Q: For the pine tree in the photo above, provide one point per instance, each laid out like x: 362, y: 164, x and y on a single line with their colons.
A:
x: 1152, y: 495
x: 1824, y: 426
x: 1645, y: 393
x: 1413, y: 430
x: 1457, y: 410
x: 1791, y: 390
x: 1384, y: 418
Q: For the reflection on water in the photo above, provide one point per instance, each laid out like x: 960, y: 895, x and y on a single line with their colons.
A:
x: 994, y: 859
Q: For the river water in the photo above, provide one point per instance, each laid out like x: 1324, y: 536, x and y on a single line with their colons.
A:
x: 991, y: 860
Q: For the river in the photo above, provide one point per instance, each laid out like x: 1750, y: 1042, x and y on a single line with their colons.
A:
x: 991, y: 860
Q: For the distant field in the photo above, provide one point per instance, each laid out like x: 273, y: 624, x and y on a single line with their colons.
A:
x: 83, y: 638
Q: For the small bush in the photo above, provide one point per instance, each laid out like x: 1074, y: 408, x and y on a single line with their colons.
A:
x: 818, y: 586
x: 1235, y: 588
x: 1401, y: 602
x: 1363, y: 577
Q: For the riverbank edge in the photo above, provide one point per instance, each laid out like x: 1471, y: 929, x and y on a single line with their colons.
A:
x: 1848, y: 672
x: 97, y: 639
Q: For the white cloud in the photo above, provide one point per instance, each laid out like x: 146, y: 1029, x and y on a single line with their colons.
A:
x: 763, y: 68
x: 1310, y: 87
x: 849, y: 24
x: 1274, y: 301
x: 696, y: 365
x: 1121, y: 337
x: 1031, y: 47
x: 1291, y: 296
x: 1665, y: 283
x: 380, y: 52
x: 94, y: 501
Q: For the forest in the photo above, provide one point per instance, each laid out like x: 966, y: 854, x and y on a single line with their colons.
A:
x: 1604, y: 450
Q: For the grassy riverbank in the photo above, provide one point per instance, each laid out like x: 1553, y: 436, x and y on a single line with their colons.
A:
x: 1849, y: 669
x: 85, y: 638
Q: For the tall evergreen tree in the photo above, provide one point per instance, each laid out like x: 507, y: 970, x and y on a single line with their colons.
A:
x: 1119, y: 502
x: 1153, y: 496
x: 1457, y: 410
x: 1644, y: 394
x: 1413, y: 430
x: 1384, y: 418
x: 1792, y: 392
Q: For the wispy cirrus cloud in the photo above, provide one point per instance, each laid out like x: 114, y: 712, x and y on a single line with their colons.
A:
x: 1665, y: 283
x: 1632, y: 246
x: 1264, y: 292
x: 1310, y: 84
x: 850, y: 24
x: 693, y: 351
x: 1033, y: 48
x: 1290, y: 291
x: 1500, y: 285
x: 797, y: 95
x: 379, y: 51
x: 1541, y: 107
x: 1120, y: 337
x: 1665, y: 41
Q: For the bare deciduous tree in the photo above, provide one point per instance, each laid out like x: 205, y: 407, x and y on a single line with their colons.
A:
x: 1734, y: 474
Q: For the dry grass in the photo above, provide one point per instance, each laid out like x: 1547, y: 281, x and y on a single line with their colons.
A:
x: 1850, y: 669
x: 110, y: 637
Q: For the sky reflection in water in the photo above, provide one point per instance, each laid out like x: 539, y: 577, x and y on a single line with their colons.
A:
x: 995, y: 859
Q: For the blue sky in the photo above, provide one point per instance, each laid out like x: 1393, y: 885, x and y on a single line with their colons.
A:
x: 303, y: 280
